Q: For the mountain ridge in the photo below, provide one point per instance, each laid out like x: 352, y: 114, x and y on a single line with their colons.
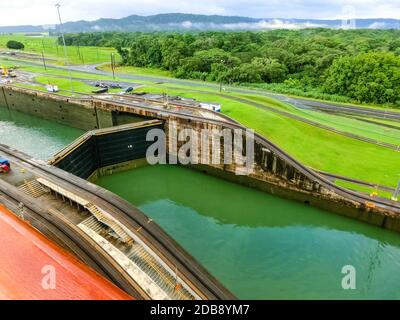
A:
x: 196, y: 22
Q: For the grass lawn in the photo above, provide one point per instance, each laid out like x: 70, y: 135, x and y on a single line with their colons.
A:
x: 363, y: 189
x: 30, y: 86
x: 54, y: 72
x: 165, y: 73
x: 327, y: 98
x: 342, y: 123
x: 137, y: 70
x: 386, y: 121
x: 76, y: 55
x: 317, y: 148
x: 312, y: 146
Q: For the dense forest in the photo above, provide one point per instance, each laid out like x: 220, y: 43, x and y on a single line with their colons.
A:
x: 361, y: 65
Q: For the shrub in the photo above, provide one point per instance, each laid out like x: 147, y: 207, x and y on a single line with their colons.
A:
x: 12, y: 44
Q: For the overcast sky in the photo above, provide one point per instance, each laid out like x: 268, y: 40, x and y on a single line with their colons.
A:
x: 38, y: 12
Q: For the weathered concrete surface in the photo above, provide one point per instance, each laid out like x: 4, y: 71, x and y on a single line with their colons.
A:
x: 166, y: 251
x: 116, y: 168
x: 274, y: 171
x: 74, y: 113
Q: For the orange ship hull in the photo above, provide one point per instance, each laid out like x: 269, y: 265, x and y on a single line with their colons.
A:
x: 34, y: 268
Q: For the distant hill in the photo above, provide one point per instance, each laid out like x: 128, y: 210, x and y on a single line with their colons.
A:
x: 19, y: 29
x: 193, y: 22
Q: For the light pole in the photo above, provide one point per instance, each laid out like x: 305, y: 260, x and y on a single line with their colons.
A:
x: 65, y: 47
x: 220, y: 83
x: 113, y: 65
x: 396, y: 193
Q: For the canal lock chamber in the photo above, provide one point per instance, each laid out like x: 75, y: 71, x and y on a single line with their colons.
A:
x: 259, y: 245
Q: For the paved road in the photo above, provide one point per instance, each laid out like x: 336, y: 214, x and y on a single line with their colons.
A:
x: 296, y: 102
x: 93, y: 70
x: 302, y: 103
x: 302, y: 119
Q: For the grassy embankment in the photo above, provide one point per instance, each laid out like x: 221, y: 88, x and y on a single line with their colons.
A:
x: 339, y: 122
x: 76, y: 55
x: 364, y: 189
x: 317, y: 148
x: 342, y: 123
x: 273, y: 88
x: 137, y: 71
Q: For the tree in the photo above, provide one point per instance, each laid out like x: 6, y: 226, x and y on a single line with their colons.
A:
x: 311, y: 60
x: 245, y: 73
x: 12, y: 44
x: 369, y: 77
x: 173, y: 51
x: 206, y: 62
x: 270, y: 70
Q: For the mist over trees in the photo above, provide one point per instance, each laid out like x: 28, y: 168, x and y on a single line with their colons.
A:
x: 363, y: 65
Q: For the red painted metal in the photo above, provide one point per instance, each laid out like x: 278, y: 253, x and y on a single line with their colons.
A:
x: 34, y: 268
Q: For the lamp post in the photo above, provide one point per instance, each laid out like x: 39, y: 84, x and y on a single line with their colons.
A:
x: 220, y: 83
x: 396, y: 193
x: 113, y: 64
x: 65, y: 47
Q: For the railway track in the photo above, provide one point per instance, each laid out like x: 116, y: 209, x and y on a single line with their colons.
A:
x: 76, y: 241
x: 347, y: 109
x: 152, y: 234
x: 310, y: 173
x: 357, y: 181
x: 311, y: 122
x: 396, y: 116
x: 190, y: 271
x: 263, y: 107
x: 46, y: 227
x: 233, y: 124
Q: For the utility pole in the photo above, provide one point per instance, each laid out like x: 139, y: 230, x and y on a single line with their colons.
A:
x: 80, y: 54
x: 220, y: 83
x: 396, y: 194
x: 44, y: 62
x: 65, y: 47
x: 43, y: 46
x: 113, y: 65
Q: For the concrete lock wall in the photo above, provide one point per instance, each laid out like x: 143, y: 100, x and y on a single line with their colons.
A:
x: 273, y: 171
x: 268, y: 166
x: 81, y: 115
x: 274, y: 175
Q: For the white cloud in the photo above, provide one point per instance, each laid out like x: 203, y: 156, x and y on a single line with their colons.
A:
x: 18, y: 12
x: 274, y: 24
x: 377, y: 25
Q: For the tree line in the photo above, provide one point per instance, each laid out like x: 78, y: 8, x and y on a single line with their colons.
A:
x: 363, y: 65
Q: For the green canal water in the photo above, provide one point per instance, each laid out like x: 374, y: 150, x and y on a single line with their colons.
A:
x: 36, y: 137
x: 258, y: 245
x: 261, y: 246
